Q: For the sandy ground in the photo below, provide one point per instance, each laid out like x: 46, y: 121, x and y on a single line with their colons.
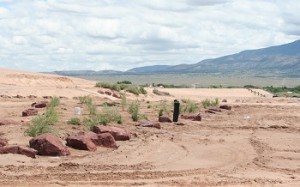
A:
x: 255, y: 144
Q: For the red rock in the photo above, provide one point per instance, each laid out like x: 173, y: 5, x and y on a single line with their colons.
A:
x: 82, y: 141
x: 3, y: 142
x: 105, y: 140
x: 150, y: 124
x: 30, y: 112
x: 164, y: 119
x: 193, y: 117
x: 49, y: 145
x: 15, y: 149
x: 42, y: 104
x: 27, y: 151
x: 89, y: 141
x: 226, y: 107
x: 210, y: 111
x: 117, y: 133
x: 100, y: 91
x: 8, y: 122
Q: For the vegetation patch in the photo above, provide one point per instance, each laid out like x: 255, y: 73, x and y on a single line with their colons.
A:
x: 74, y: 121
x: 42, y: 123
x: 210, y: 103
x: 190, y: 106
x: 134, y: 110
x: 131, y: 88
x: 284, y: 91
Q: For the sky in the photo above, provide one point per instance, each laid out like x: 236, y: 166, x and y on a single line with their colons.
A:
x: 49, y: 35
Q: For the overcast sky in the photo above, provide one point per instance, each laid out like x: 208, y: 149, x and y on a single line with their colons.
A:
x: 47, y: 35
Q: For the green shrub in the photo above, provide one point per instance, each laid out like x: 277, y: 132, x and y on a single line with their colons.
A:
x: 116, y: 87
x: 104, y: 85
x: 99, y: 119
x: 92, y: 108
x: 51, y: 116
x: 134, y: 110
x: 85, y: 100
x: 38, y: 126
x: 190, y: 106
x: 112, y: 114
x: 41, y: 124
x: 210, y: 103
x: 124, y: 82
x: 133, y: 89
x: 163, y: 108
x: 143, y: 91
x: 74, y: 121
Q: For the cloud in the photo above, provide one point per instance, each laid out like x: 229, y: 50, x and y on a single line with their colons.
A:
x: 47, y: 35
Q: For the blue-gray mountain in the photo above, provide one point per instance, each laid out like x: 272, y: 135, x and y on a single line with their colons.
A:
x: 282, y: 60
x: 277, y: 61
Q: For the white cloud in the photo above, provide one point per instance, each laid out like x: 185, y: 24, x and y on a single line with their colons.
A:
x: 50, y: 35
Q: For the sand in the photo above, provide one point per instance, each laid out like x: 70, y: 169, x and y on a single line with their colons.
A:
x: 257, y: 143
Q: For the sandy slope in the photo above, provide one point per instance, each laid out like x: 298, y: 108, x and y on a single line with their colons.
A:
x: 255, y: 144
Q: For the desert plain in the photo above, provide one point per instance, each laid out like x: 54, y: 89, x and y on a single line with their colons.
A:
x: 256, y: 143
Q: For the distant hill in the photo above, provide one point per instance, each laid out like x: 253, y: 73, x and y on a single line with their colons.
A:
x: 85, y: 72
x: 280, y: 61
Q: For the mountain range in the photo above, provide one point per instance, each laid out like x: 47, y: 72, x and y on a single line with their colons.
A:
x: 281, y: 60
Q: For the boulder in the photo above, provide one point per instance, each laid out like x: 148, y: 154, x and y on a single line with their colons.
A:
x: 89, y: 141
x: 100, y: 91
x: 105, y: 140
x: 30, y: 112
x: 27, y: 151
x: 8, y: 122
x: 193, y: 117
x: 117, y: 133
x: 3, y: 142
x: 82, y: 141
x: 15, y: 149
x: 164, y: 119
x: 49, y: 145
x: 226, y: 107
x: 42, y: 104
x: 150, y: 124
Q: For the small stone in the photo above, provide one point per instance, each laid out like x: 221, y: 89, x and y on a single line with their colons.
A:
x: 150, y: 124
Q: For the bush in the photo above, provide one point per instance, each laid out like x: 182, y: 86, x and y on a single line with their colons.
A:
x: 41, y: 124
x: 133, y: 89
x: 124, y: 82
x: 54, y: 102
x: 190, y: 106
x: 112, y: 114
x: 163, y: 108
x: 210, y: 103
x: 99, y: 119
x: 134, y: 109
x: 74, y: 121
x: 38, y: 126
x: 104, y: 85
x: 85, y: 100
x: 143, y: 91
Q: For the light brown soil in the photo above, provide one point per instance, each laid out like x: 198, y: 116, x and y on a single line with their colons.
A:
x: 255, y: 144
